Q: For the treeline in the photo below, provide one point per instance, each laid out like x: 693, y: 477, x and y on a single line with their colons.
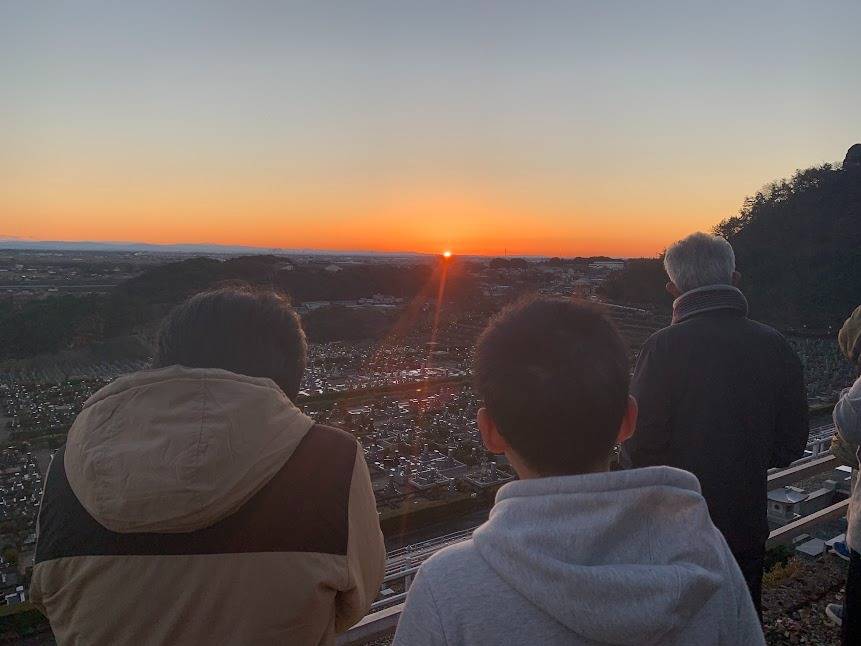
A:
x: 138, y: 305
x: 798, y: 247
x: 52, y: 324
x: 579, y: 262
x: 641, y: 282
x: 339, y: 323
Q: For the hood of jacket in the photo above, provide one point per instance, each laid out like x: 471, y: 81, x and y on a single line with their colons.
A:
x: 618, y: 558
x: 177, y: 449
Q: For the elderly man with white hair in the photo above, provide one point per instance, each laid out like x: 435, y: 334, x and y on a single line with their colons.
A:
x: 720, y: 395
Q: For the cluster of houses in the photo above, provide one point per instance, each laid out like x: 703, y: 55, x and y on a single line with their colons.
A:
x: 44, y: 408
x: 426, y: 444
x: 339, y: 367
x: 20, y: 494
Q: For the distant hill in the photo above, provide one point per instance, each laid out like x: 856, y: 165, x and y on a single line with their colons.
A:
x: 797, y: 245
x: 136, y: 306
x: 20, y: 244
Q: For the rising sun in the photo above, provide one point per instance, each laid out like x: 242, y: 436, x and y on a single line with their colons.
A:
x: 446, y: 254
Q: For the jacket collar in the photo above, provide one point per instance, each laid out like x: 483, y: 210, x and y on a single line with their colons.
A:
x: 707, y: 299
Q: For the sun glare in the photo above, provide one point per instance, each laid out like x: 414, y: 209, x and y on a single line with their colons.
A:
x: 446, y: 254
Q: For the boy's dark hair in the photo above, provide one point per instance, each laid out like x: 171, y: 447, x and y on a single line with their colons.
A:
x: 247, y: 331
x: 554, y: 376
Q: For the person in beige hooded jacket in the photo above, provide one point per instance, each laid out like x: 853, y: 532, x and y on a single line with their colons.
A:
x: 195, y: 504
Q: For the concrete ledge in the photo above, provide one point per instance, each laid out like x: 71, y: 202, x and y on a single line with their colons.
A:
x: 813, y: 467
x: 784, y: 535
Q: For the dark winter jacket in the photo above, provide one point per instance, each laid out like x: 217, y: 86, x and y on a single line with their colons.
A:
x: 721, y: 396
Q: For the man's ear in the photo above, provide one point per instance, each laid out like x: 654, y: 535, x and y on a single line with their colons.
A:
x: 674, y: 291
x: 490, y: 437
x: 629, y: 421
x: 736, y: 278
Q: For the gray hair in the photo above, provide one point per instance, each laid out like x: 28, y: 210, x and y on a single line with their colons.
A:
x: 700, y: 260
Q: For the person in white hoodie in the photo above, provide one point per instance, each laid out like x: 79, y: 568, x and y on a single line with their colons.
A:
x: 196, y: 504
x: 573, y: 553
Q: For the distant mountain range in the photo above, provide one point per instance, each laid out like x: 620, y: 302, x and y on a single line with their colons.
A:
x: 191, y: 248
x: 203, y: 249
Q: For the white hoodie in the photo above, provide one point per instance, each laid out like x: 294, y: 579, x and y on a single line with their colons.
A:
x: 627, y: 557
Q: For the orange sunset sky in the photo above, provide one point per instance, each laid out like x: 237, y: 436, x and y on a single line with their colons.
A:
x: 552, y: 129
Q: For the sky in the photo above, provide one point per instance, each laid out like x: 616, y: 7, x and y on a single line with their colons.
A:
x: 542, y: 128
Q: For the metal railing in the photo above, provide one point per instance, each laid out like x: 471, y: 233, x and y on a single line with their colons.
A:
x: 403, y: 563
x: 415, y: 554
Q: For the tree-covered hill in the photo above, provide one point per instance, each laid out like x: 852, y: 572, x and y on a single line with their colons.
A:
x: 640, y: 283
x: 137, y: 306
x: 797, y: 245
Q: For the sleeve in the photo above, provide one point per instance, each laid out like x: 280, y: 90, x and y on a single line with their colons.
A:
x: 366, y: 551
x: 791, y: 427
x: 847, y: 414
x: 845, y: 452
x: 650, y: 443
x: 420, y: 623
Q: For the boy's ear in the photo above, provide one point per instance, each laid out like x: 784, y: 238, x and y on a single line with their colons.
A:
x: 629, y: 421
x: 490, y: 437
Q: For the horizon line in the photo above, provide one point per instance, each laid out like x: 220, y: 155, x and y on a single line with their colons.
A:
x: 19, y: 243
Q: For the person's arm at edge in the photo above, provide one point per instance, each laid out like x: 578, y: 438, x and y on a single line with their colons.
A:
x: 791, y: 426
x: 366, y: 551
x: 420, y: 623
x: 847, y: 414
x: 650, y: 442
